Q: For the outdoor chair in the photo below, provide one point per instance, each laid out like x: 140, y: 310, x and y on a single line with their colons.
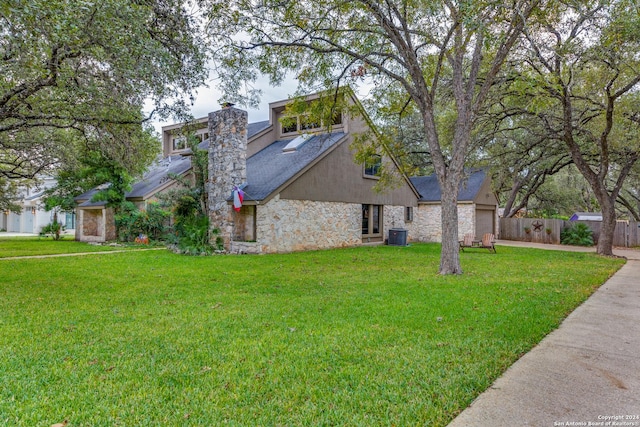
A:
x: 488, y: 241
x: 467, y: 241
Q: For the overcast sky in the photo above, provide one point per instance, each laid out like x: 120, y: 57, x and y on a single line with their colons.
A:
x: 206, y: 101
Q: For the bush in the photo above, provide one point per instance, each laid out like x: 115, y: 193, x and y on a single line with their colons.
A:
x: 152, y: 222
x: 577, y: 235
x: 194, y: 235
x: 54, y: 229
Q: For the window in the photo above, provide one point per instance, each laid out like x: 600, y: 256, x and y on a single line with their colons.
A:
x: 289, y: 124
x: 372, y: 166
x: 307, y: 123
x: 179, y: 142
x: 408, y: 214
x: 371, y: 221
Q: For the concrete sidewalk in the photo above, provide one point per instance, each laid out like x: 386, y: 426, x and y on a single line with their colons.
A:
x: 587, y: 372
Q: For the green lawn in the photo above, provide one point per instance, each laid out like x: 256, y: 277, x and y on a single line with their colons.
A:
x: 34, y: 246
x: 354, y: 337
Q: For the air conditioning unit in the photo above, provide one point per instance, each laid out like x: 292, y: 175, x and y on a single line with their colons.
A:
x: 397, y: 237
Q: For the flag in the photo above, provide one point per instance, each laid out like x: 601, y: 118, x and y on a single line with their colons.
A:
x: 238, y: 197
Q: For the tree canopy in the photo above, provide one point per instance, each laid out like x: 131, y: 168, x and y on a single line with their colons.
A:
x: 75, y: 76
x: 578, y: 76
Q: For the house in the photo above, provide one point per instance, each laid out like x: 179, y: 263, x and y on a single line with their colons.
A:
x: 302, y: 188
x: 32, y: 216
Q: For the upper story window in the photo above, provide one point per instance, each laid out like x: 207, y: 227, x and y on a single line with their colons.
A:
x: 372, y: 166
x: 304, y: 122
x: 289, y: 127
x: 179, y: 142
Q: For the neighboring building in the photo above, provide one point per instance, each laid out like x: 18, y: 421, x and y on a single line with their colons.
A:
x: 302, y: 187
x: 586, y: 216
x: 32, y: 216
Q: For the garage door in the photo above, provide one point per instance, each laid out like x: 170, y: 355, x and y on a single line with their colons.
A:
x: 484, y: 222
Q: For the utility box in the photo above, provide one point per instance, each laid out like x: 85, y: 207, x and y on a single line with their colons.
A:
x: 397, y: 237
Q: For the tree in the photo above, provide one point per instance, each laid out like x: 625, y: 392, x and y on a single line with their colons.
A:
x: 521, y: 155
x: 77, y: 74
x: 629, y: 197
x: 580, y: 77
x: 9, y: 192
x: 439, y: 56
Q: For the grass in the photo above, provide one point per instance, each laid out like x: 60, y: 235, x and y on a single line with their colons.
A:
x: 358, y: 337
x: 35, y: 246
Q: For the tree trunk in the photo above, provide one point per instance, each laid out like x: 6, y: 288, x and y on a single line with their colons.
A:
x: 515, y: 188
x: 605, y: 241
x: 450, y: 252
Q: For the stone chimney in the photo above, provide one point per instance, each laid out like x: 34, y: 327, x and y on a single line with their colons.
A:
x: 227, y: 165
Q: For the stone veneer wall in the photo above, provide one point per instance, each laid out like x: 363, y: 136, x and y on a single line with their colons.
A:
x: 227, y: 165
x: 96, y: 225
x: 427, y: 223
x: 299, y: 225
x: 393, y: 217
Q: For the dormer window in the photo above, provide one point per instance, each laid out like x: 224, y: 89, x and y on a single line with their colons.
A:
x: 304, y: 122
x: 179, y: 142
x: 290, y: 127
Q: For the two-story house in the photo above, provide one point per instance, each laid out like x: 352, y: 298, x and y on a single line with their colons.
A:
x: 302, y: 187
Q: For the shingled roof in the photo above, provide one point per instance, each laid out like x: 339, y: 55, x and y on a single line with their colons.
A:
x: 270, y: 168
x: 430, y: 191
x: 159, y: 173
x: 155, y: 178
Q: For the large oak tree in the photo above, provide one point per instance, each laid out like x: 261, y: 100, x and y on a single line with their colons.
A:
x: 442, y: 55
x: 75, y: 76
x: 580, y: 77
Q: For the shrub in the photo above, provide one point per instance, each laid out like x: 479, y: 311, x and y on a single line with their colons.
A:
x: 577, y: 235
x: 54, y: 229
x: 132, y: 222
x: 192, y: 235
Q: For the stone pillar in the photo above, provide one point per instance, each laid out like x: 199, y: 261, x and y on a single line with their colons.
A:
x: 227, y: 166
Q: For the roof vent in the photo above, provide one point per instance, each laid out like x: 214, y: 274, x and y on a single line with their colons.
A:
x: 295, y: 143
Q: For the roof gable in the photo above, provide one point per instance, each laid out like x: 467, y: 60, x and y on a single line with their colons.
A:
x: 430, y: 191
x: 271, y: 167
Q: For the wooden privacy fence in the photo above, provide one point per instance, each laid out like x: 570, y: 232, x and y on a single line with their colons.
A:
x: 541, y: 230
